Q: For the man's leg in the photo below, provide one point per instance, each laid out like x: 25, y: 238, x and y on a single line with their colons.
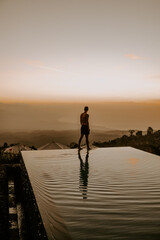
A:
x: 87, y: 141
x: 79, y: 145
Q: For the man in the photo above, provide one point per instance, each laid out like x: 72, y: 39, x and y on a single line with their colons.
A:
x: 84, y: 119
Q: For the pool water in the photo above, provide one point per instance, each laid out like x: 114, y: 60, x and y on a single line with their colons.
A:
x: 106, y: 194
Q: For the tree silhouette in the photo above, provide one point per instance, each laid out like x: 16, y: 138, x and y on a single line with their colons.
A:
x: 149, y: 131
x: 5, y: 145
x: 139, y: 133
x: 131, y: 132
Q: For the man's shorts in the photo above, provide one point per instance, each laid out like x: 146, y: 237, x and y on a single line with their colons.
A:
x: 85, y: 130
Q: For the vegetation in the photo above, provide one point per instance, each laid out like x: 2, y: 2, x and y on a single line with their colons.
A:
x: 9, y: 157
x: 149, y: 142
x: 73, y: 145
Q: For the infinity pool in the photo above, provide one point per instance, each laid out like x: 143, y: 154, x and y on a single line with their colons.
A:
x: 108, y: 194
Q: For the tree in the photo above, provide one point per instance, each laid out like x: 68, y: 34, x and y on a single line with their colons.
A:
x: 131, y: 132
x: 149, y: 131
x: 33, y: 148
x: 139, y: 133
x: 5, y: 145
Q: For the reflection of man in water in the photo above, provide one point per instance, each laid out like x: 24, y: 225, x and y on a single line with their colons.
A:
x: 84, y: 119
x: 84, y: 171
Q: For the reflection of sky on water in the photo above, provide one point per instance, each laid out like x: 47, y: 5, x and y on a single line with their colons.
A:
x: 133, y: 161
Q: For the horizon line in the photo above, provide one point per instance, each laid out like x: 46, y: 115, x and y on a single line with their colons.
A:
x: 156, y: 101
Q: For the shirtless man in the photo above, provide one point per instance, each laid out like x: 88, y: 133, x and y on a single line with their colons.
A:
x: 84, y: 119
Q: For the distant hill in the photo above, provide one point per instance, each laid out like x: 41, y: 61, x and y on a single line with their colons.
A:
x: 39, y: 138
x: 149, y: 142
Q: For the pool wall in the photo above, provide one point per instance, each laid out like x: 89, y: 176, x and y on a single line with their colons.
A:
x: 34, y: 224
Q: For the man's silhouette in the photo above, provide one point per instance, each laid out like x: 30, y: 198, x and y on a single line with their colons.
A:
x: 84, y: 119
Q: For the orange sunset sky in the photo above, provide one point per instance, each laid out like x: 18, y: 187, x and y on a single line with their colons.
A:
x: 103, y: 53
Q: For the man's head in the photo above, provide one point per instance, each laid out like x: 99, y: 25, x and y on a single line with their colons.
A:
x: 85, y: 108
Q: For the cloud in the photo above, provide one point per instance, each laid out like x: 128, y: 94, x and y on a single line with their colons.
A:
x: 133, y: 56
x: 33, y: 62
x: 41, y: 65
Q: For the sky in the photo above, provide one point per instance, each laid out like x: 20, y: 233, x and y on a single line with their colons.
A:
x: 58, y: 55
x: 79, y: 50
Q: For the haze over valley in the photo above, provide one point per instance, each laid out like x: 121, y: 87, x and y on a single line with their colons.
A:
x: 65, y: 116
x: 38, y: 124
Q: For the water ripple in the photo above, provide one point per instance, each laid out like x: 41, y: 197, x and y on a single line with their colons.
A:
x: 108, y: 194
